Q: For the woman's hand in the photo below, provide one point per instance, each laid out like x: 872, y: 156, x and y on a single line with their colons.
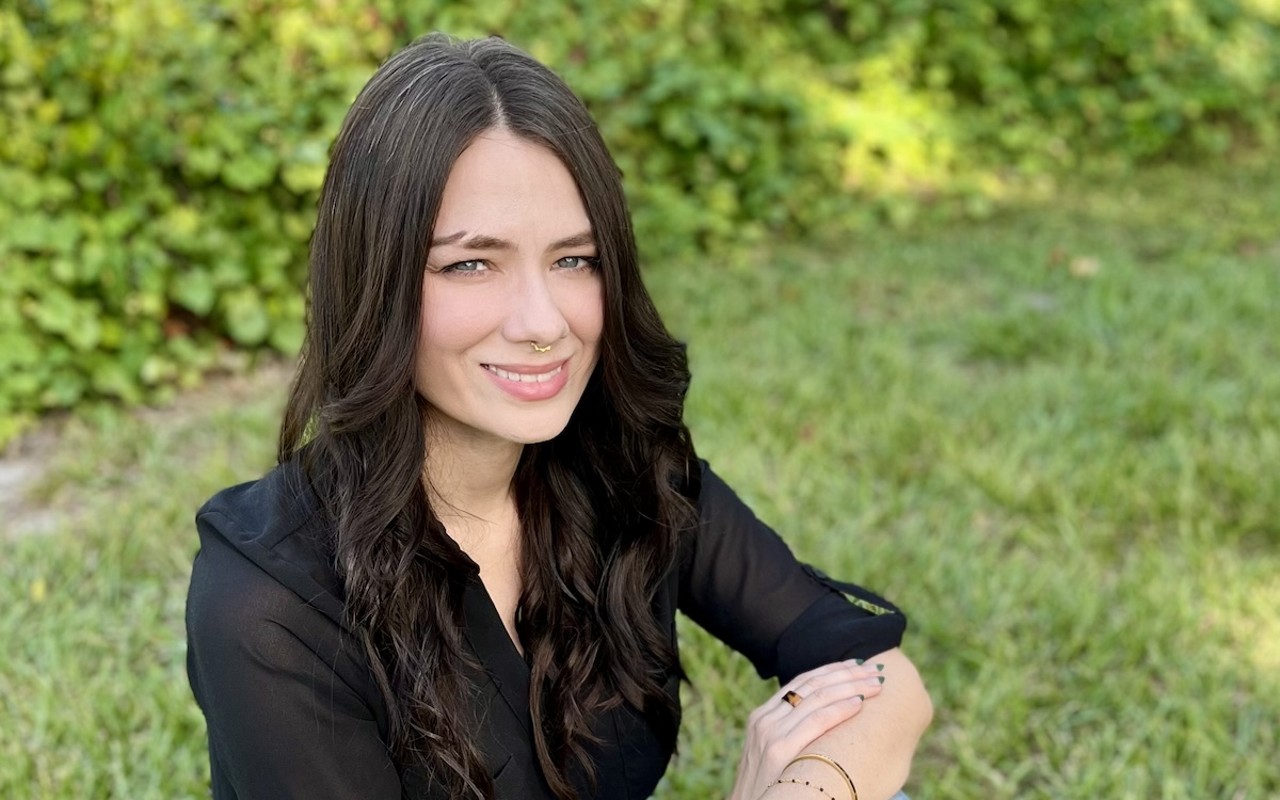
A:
x: 778, y: 731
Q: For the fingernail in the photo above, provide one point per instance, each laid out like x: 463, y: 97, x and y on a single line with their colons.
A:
x: 859, y: 661
x: 860, y: 698
x: 880, y: 667
x: 881, y: 679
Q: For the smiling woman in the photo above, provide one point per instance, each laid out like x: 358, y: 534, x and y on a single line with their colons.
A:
x: 461, y: 579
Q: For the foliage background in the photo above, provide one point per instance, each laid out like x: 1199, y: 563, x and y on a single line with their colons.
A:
x: 159, y: 159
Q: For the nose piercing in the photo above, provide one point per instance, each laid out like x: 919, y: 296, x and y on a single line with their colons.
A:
x: 537, y: 349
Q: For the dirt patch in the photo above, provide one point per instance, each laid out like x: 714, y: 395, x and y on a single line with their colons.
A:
x: 271, y: 377
x: 24, y: 463
x: 21, y: 467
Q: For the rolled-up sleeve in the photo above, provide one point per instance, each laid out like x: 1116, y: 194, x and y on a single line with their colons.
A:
x: 740, y: 582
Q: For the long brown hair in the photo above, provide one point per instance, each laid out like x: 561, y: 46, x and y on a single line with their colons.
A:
x: 601, y: 506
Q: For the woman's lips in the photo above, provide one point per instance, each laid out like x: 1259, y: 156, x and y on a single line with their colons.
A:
x: 525, y: 374
x: 525, y: 382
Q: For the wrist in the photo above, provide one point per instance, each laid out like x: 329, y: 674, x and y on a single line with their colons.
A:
x: 788, y: 788
x: 822, y: 773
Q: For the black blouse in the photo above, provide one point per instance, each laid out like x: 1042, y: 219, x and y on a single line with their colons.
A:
x: 293, y: 710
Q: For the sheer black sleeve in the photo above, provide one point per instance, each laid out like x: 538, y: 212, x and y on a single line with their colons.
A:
x: 741, y: 583
x: 281, y: 689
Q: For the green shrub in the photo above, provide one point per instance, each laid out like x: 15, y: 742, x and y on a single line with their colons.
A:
x: 1045, y: 81
x: 158, y: 174
x: 159, y: 159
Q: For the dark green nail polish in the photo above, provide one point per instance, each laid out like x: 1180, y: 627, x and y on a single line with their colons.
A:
x: 859, y: 661
x: 860, y: 697
x: 880, y: 667
x: 880, y: 678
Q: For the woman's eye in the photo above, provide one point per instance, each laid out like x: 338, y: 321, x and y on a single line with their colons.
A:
x: 469, y: 267
x: 578, y: 262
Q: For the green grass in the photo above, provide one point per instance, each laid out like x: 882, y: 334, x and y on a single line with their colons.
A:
x: 1072, y: 484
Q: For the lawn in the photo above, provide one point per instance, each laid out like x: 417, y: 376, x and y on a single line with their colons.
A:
x: 1052, y: 436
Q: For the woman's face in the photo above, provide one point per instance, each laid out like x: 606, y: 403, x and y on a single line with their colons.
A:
x: 512, y: 264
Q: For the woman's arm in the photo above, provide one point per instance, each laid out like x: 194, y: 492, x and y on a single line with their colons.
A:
x: 875, y: 746
x: 740, y: 582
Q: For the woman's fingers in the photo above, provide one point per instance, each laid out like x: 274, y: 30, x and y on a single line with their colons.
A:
x: 827, y: 696
x: 819, y: 682
x: 835, y: 692
x: 808, y: 683
x: 829, y: 704
x: 825, y: 675
x: 827, y: 707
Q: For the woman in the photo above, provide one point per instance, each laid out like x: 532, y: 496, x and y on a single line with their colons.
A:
x: 461, y: 579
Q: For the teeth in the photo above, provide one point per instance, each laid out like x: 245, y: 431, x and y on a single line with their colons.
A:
x: 518, y: 378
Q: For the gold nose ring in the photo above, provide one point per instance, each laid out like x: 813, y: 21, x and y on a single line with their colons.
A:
x: 537, y: 349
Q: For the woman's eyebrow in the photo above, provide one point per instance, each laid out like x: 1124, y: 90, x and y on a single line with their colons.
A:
x: 477, y: 242
x: 482, y: 242
x: 584, y: 239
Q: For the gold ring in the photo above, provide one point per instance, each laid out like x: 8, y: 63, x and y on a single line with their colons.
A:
x: 792, y: 698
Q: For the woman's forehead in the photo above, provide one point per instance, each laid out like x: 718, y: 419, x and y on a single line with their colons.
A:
x: 510, y: 189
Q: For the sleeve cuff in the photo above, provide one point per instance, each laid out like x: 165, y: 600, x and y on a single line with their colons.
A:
x: 848, y: 622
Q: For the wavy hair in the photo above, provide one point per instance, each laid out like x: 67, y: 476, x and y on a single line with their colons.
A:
x: 601, y: 506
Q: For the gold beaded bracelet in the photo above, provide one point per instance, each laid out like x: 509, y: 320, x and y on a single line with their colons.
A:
x: 853, y: 792
x: 798, y: 782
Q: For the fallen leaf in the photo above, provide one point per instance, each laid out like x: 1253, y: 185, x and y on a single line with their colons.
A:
x: 1084, y: 266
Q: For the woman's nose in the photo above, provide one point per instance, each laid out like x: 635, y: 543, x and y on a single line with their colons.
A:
x: 534, y: 314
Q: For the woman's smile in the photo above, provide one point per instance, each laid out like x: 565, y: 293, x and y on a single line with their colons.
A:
x: 529, y: 382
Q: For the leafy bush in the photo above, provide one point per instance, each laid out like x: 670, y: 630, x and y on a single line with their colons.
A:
x: 1044, y: 81
x: 159, y: 174
x: 159, y: 160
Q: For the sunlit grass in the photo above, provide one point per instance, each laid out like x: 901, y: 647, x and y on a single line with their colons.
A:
x: 1053, y: 437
